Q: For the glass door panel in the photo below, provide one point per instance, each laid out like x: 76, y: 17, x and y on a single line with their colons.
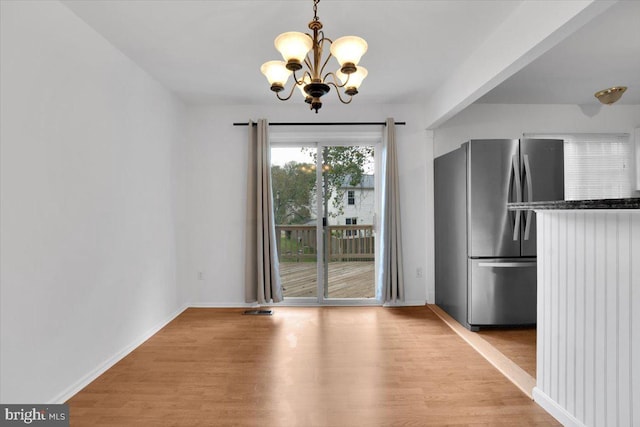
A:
x: 349, y: 206
x: 293, y: 175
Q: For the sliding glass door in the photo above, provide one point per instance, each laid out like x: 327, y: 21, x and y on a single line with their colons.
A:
x: 348, y: 206
x: 325, y: 209
x: 293, y: 173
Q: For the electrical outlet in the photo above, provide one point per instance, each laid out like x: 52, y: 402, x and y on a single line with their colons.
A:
x: 419, y: 272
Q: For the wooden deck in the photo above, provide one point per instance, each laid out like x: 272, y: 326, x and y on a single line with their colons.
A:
x: 346, y: 279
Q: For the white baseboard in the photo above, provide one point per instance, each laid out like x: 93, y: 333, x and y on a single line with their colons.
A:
x: 405, y: 303
x: 104, y: 366
x: 344, y: 302
x: 555, y: 410
x: 309, y: 302
x: 296, y: 302
x: 224, y: 305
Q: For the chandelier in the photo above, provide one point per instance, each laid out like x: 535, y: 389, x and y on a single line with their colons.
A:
x: 303, y: 49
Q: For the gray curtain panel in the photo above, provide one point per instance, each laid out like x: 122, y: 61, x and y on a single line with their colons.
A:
x: 392, y: 275
x: 262, y: 276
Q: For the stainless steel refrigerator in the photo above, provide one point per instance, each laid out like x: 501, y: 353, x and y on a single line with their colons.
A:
x: 486, y: 254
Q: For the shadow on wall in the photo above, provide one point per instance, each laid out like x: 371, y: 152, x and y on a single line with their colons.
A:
x: 590, y: 110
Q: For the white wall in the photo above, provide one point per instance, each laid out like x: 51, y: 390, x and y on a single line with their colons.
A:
x: 90, y: 146
x: 217, y: 166
x: 480, y: 121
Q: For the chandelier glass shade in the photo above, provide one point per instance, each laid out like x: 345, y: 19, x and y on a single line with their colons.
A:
x: 303, y: 58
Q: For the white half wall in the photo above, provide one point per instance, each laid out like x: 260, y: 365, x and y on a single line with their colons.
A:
x: 588, y: 369
x: 216, y: 182
x: 90, y: 152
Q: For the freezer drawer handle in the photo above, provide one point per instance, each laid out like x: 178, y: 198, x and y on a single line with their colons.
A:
x: 507, y: 264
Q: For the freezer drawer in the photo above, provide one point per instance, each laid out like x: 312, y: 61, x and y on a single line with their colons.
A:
x: 502, y: 291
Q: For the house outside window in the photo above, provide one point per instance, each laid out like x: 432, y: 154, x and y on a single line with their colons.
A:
x: 351, y: 221
x: 358, y: 202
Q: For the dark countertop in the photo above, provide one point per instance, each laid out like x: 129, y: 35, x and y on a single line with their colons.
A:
x: 631, y: 203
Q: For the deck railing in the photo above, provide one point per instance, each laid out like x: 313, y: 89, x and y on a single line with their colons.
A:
x: 347, y: 243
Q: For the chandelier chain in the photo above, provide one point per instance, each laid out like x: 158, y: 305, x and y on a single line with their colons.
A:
x: 315, y: 10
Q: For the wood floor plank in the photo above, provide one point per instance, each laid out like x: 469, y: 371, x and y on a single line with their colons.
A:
x: 311, y: 366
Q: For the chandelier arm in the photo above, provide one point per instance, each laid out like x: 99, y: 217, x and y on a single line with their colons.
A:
x: 338, y: 92
x: 307, y: 61
x: 293, y: 87
x: 335, y: 79
x: 322, y: 40
x: 295, y: 79
x: 307, y: 73
x: 301, y: 82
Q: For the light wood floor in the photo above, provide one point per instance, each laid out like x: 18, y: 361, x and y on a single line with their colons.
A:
x: 320, y: 366
x: 346, y: 279
x: 502, y: 362
x: 518, y: 345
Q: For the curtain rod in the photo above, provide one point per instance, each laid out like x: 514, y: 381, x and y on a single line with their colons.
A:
x: 324, y: 124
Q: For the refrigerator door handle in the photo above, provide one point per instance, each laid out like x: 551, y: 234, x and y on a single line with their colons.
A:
x: 527, y: 174
x: 508, y: 264
x: 515, y: 173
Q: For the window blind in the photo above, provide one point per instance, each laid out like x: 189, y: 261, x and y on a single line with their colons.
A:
x: 596, y: 166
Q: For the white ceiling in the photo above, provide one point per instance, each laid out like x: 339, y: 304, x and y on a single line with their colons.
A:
x: 603, y: 53
x: 211, y: 51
